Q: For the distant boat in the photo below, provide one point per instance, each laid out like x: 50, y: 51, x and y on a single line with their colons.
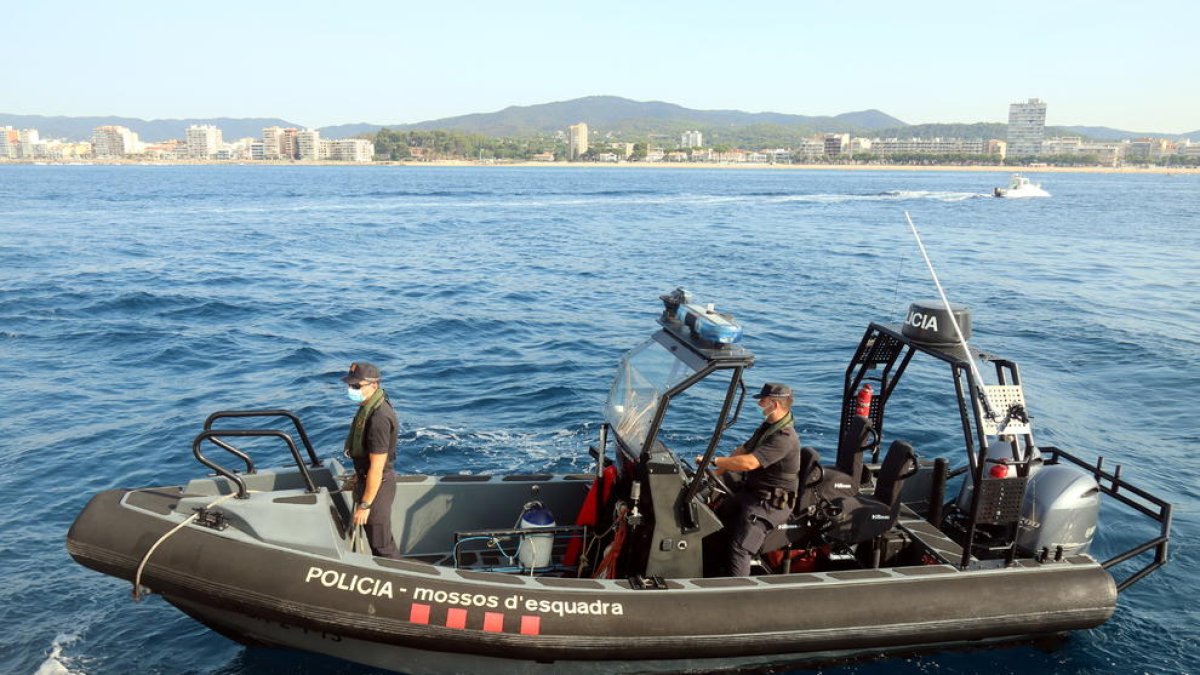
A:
x: 1020, y: 187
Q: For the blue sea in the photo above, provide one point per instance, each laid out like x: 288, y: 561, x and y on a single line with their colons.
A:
x: 136, y: 300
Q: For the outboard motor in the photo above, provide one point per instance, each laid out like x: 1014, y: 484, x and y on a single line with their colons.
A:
x: 1061, y: 508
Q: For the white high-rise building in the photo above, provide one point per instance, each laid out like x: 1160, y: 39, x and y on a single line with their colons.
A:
x: 272, y: 140
x: 348, y: 150
x: 691, y: 139
x: 27, y: 141
x: 836, y: 144
x: 308, y: 145
x: 114, y: 141
x: 1026, y: 128
x: 8, y: 139
x: 577, y: 140
x: 203, y: 141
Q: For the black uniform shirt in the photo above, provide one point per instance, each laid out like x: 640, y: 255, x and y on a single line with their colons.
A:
x: 379, y: 437
x: 779, y: 461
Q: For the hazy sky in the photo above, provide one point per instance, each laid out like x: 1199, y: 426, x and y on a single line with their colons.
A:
x: 1133, y: 66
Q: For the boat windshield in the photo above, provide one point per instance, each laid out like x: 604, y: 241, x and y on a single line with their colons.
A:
x: 643, y: 375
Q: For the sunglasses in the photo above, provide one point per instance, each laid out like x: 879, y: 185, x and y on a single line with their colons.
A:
x: 360, y: 385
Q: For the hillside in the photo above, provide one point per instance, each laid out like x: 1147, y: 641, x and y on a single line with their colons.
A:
x: 622, y: 116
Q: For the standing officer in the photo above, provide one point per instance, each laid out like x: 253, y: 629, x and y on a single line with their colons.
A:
x: 371, y: 444
x: 771, y: 460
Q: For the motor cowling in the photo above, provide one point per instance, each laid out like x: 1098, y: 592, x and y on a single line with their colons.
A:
x: 1061, y: 508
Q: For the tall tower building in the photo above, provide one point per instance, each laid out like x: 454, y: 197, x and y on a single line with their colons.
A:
x: 691, y: 139
x: 203, y: 141
x: 577, y: 139
x: 1026, y: 128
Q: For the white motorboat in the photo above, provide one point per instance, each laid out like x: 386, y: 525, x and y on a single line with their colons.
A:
x: 1020, y: 187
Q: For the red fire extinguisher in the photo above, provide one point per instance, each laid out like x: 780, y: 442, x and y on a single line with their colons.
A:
x: 864, y: 401
x: 1002, y: 470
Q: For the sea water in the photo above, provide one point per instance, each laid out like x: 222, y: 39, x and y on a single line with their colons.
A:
x: 136, y: 300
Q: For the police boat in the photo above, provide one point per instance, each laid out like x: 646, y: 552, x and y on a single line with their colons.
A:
x: 881, y: 554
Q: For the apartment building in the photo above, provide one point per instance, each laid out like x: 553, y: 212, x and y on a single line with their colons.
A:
x: 272, y: 141
x: 27, y: 142
x: 1026, y: 128
x: 836, y: 144
x: 308, y: 145
x: 577, y: 140
x: 927, y: 146
x: 691, y: 139
x: 8, y: 141
x: 203, y: 141
x: 348, y: 150
x: 114, y: 141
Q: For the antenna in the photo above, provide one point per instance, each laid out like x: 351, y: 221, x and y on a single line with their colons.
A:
x: 953, y: 320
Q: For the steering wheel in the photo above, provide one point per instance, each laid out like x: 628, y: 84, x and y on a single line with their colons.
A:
x: 716, y: 482
x: 712, y: 481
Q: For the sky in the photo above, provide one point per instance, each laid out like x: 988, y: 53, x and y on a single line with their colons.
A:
x: 1131, y: 66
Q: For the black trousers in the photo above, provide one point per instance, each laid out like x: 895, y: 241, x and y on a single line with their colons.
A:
x: 379, y: 520
x: 751, y: 521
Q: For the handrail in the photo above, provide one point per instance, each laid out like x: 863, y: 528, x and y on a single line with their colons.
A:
x: 312, y: 454
x: 231, y: 449
x: 213, y: 435
x: 1117, y: 488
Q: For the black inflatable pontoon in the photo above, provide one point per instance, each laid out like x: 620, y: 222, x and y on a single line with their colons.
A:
x: 876, y: 558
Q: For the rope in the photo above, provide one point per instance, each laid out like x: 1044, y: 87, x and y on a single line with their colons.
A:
x: 607, y: 568
x: 954, y: 321
x: 137, y: 578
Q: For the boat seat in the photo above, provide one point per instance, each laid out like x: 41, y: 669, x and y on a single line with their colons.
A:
x: 857, y: 438
x: 855, y: 519
x: 817, y: 484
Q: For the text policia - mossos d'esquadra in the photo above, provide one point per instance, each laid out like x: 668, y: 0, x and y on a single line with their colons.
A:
x: 366, y: 585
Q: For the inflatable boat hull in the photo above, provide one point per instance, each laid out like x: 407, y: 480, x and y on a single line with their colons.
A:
x: 418, y: 617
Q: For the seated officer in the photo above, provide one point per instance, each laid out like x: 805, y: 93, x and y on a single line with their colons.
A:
x: 770, y: 461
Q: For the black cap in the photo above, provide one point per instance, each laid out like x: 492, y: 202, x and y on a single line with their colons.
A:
x: 774, y: 389
x: 360, y: 371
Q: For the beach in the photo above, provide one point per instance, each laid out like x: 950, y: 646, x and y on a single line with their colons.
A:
x: 746, y: 166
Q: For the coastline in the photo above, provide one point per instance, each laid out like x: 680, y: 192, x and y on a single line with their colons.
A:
x: 634, y: 165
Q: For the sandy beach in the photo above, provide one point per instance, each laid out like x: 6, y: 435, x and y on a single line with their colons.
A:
x: 639, y: 165
x: 815, y: 167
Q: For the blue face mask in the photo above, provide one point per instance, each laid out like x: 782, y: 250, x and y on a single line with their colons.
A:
x: 355, y: 395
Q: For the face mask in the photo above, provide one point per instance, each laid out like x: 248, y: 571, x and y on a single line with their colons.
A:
x: 766, y: 410
x: 355, y: 395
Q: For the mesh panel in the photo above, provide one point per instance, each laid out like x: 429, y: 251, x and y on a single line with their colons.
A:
x: 1000, y: 500
x: 1003, y: 398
